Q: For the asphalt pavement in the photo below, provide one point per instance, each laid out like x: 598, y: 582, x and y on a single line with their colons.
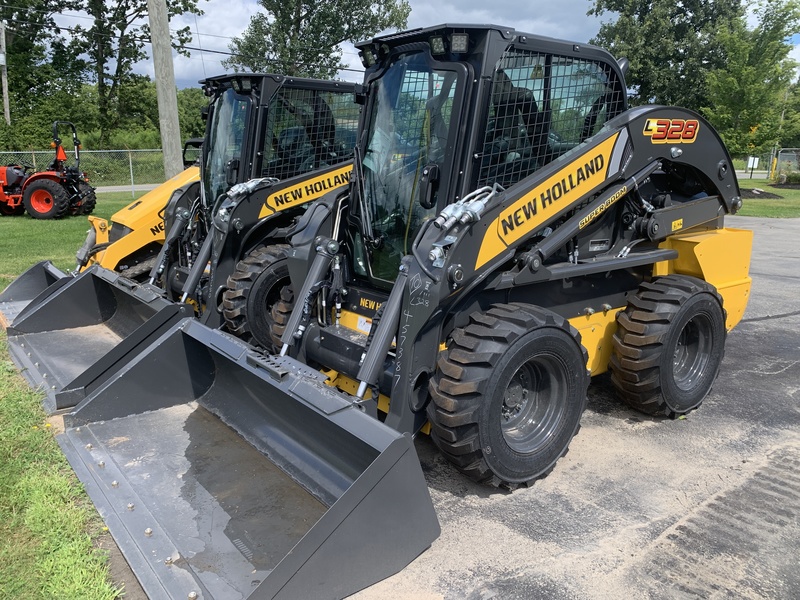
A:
x: 702, y: 507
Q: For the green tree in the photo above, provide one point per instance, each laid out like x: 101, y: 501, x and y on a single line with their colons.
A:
x: 302, y: 37
x: 114, y: 43
x: 747, y: 98
x: 789, y: 123
x: 191, y: 102
x: 671, y: 45
x: 45, y: 73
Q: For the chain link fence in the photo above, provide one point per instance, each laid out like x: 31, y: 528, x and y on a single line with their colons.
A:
x: 103, y: 167
x: 787, y: 165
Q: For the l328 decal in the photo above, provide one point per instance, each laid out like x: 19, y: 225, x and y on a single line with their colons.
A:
x: 671, y: 131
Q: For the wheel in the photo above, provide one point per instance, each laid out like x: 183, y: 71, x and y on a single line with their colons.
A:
x: 253, y: 288
x: 508, y: 394
x: 46, y: 199
x: 89, y: 198
x: 10, y: 211
x: 669, y: 345
x: 87, y: 202
x: 281, y: 311
x: 140, y: 271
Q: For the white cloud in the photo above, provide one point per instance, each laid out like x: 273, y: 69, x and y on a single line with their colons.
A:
x: 225, y: 19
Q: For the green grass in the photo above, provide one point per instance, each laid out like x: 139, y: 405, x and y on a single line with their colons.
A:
x: 48, y: 527
x: 787, y: 207
x: 26, y: 241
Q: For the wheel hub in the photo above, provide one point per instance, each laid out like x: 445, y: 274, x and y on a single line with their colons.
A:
x: 533, y: 403
x: 691, y: 354
x: 515, y: 397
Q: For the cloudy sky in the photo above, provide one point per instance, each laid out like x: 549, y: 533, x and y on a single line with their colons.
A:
x: 225, y: 19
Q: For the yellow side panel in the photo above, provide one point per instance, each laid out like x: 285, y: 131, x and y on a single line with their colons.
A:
x: 597, y: 331
x: 142, y: 217
x: 141, y: 212
x: 722, y: 258
x: 350, y: 386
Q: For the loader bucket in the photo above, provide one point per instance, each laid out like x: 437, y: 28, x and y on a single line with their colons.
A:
x: 67, y: 339
x: 227, y: 474
x: 29, y: 286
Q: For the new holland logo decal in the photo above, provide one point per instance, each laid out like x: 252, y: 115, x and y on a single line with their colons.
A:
x: 568, y: 185
x: 305, y: 191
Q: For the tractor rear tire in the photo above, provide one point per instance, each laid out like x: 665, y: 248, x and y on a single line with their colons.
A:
x: 508, y: 394
x: 669, y: 345
x: 253, y: 288
x: 46, y: 199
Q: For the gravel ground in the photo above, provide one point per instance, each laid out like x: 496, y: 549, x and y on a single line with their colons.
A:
x: 702, y: 507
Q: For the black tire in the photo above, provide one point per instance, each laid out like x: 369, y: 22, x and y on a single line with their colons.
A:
x: 281, y: 311
x: 8, y: 211
x: 46, y: 199
x: 483, y: 415
x: 669, y: 345
x: 89, y: 199
x: 253, y: 288
x: 139, y: 272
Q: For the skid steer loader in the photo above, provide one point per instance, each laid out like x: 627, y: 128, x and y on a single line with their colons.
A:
x: 514, y: 229
x: 289, y: 135
x: 511, y: 229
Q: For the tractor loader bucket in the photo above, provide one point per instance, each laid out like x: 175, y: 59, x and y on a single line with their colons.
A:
x: 225, y: 474
x: 67, y: 339
x: 28, y: 287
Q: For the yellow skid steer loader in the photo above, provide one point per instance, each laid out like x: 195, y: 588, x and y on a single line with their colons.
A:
x: 291, y: 136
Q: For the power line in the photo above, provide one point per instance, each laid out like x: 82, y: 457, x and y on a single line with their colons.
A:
x: 144, y: 39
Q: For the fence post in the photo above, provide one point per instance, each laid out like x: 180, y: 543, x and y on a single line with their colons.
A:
x: 130, y: 164
x: 33, y: 156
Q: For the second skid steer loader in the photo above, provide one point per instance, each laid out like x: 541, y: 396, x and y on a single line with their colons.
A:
x: 285, y: 133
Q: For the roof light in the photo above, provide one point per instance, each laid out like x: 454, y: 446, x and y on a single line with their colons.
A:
x: 437, y: 44
x: 367, y: 57
x: 459, y: 42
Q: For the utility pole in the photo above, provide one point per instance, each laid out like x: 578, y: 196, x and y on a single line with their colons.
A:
x: 4, y: 72
x: 165, y: 87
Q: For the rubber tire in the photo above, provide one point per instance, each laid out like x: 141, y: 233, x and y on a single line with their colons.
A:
x: 281, y: 311
x: 6, y: 210
x: 59, y: 199
x: 89, y: 200
x: 648, y: 341
x: 252, y: 289
x: 139, y: 272
x: 469, y: 387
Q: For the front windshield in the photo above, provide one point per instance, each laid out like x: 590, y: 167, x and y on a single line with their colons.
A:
x: 408, y: 132
x: 224, y: 145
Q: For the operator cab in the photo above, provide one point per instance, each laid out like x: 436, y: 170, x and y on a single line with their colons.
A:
x: 452, y: 109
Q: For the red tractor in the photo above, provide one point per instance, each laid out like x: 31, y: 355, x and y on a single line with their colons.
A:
x: 61, y: 190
